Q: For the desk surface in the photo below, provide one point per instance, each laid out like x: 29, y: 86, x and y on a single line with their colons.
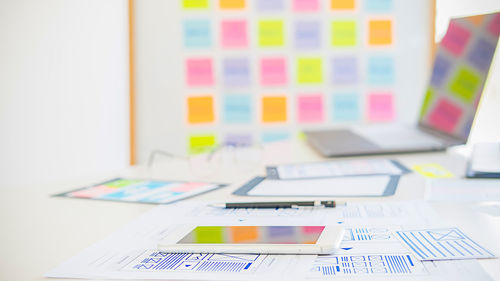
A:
x: 38, y: 231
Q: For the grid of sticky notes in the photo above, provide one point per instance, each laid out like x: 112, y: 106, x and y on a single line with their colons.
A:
x: 460, y: 69
x: 255, y: 71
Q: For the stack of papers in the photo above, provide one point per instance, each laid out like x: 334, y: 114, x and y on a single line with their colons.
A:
x: 484, y: 161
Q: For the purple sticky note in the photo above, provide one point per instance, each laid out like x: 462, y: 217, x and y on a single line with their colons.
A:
x: 236, y: 72
x: 199, y: 72
x: 481, y: 53
x: 456, y: 38
x: 344, y: 70
x: 270, y: 5
x: 238, y: 140
x: 307, y: 35
x: 440, y: 71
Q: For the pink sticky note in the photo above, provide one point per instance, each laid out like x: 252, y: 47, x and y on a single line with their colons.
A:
x: 305, y: 5
x: 456, y: 38
x: 199, y: 72
x: 494, y: 26
x: 273, y: 71
x: 380, y: 107
x: 234, y: 34
x: 310, y: 108
x: 187, y: 187
x: 312, y: 229
x: 93, y: 192
x: 445, y: 116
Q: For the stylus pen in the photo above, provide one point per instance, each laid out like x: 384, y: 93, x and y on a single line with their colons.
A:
x: 273, y: 205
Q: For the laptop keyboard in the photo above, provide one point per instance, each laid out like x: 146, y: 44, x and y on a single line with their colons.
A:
x: 398, y: 137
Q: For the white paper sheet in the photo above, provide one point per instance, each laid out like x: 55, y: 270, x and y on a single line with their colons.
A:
x: 463, y: 190
x: 486, y: 158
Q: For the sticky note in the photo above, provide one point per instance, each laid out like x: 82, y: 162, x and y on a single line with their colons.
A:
x: 465, y: 84
x: 237, y: 109
x: 380, y: 32
x: 305, y: 5
x: 186, y: 187
x: 343, y: 33
x: 429, y: 97
x: 197, y: 34
x: 344, y: 70
x: 312, y: 229
x: 481, y: 54
x: 307, y: 35
x: 209, y: 234
x: 120, y: 183
x: 476, y: 20
x: 93, y: 192
x: 244, y: 233
x: 200, y: 109
x: 273, y: 71
x: 199, y: 72
x: 456, y: 38
x: 310, y: 108
x: 234, y: 34
x: 380, y: 107
x: 231, y: 4
x: 432, y: 170
x: 378, y: 5
x: 445, y: 115
x: 274, y: 136
x: 380, y: 70
x: 195, y: 4
x: 238, y: 140
x: 309, y: 71
x: 236, y: 72
x: 271, y: 33
x: 270, y: 5
x: 441, y: 70
x: 494, y: 25
x: 201, y: 143
x: 274, y: 109
x: 346, y: 107
x: 342, y: 4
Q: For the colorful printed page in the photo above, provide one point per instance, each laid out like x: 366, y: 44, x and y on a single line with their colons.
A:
x: 461, y: 67
x: 141, y: 191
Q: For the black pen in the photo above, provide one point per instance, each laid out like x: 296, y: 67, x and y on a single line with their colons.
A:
x: 273, y: 205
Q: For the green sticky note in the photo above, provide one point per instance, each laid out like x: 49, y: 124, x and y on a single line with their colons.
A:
x: 271, y: 33
x: 121, y: 183
x: 429, y: 96
x: 343, y: 33
x: 209, y: 234
x: 201, y: 143
x: 309, y: 71
x: 465, y: 84
x: 195, y: 4
x: 301, y: 136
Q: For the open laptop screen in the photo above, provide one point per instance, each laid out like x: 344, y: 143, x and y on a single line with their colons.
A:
x: 461, y: 66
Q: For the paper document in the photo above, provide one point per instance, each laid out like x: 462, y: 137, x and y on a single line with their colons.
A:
x: 463, y: 190
x: 442, y: 244
x: 335, y: 169
x: 486, y: 158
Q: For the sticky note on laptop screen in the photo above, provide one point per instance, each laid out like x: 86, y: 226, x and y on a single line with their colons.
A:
x: 461, y: 66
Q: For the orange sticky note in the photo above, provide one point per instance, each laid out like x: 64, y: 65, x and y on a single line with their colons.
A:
x: 244, y: 233
x: 342, y: 4
x: 232, y: 4
x: 380, y: 32
x: 200, y: 109
x: 273, y: 109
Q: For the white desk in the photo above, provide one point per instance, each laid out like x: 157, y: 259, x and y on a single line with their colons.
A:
x: 38, y: 232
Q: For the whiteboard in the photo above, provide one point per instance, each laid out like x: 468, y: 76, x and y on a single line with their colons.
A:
x: 162, y: 88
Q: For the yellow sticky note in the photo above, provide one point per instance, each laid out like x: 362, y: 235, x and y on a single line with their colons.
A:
x: 342, y: 4
x: 273, y: 109
x: 380, y: 32
x: 200, y: 109
x: 271, y: 33
x: 195, y: 4
x: 201, y: 143
x: 343, y: 33
x: 232, y: 4
x: 432, y: 170
x: 309, y: 71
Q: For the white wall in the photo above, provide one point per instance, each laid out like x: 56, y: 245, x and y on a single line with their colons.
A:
x: 63, y: 90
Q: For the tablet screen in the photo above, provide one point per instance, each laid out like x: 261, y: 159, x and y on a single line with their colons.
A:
x: 253, y: 235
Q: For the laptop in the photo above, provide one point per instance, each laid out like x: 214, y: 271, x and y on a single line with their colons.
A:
x: 461, y: 66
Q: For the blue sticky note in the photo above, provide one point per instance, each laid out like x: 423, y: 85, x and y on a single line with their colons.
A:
x: 270, y: 5
x: 344, y: 70
x: 237, y: 109
x: 307, y: 35
x: 274, y: 136
x: 346, y: 107
x: 197, y: 34
x: 441, y: 69
x: 378, y: 5
x: 238, y: 140
x: 380, y: 70
x: 481, y: 53
x: 236, y: 72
